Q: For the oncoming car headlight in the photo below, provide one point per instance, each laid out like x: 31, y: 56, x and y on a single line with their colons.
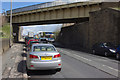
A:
x: 114, y: 51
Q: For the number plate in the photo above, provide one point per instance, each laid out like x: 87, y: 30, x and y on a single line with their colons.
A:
x: 46, y: 57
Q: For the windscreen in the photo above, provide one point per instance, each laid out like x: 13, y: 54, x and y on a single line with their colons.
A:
x: 43, y: 48
x: 110, y: 45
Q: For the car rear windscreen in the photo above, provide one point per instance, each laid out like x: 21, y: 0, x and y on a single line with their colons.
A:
x: 43, y: 48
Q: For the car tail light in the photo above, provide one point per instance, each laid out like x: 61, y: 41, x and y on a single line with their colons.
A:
x: 33, y: 56
x: 56, y: 56
x: 59, y: 64
x: 31, y: 65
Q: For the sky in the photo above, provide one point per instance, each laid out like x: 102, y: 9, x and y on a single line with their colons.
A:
x: 34, y: 28
x: 6, y: 5
x: 23, y: 3
x: 37, y: 28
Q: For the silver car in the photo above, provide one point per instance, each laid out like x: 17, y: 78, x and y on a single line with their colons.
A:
x: 43, y: 57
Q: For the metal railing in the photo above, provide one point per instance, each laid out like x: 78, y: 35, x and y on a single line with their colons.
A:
x: 38, y: 6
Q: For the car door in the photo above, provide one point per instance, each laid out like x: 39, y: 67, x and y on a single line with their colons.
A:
x: 100, y: 48
x: 96, y: 48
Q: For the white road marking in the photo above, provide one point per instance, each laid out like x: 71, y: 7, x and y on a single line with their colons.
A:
x: 78, y: 56
x: 111, y: 68
x: 25, y: 75
x: 100, y: 57
x: 72, y: 55
x: 24, y: 58
x: 24, y: 51
x: 82, y: 57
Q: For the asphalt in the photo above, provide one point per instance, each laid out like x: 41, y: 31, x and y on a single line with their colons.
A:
x: 76, y: 64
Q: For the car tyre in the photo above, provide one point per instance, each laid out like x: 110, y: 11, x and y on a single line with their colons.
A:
x: 58, y: 70
x: 106, y: 54
x: 118, y: 56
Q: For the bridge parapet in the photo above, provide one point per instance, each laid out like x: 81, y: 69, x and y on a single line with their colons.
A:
x: 49, y: 6
x: 69, y: 13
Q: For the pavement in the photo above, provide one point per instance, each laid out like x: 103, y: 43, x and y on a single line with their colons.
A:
x: 12, y: 62
x: 76, y: 64
x: 1, y: 46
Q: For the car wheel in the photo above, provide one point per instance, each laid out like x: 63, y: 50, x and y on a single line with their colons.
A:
x: 118, y: 56
x: 58, y: 70
x: 106, y: 54
x: 93, y: 52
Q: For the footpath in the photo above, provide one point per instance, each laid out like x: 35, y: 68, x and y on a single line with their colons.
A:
x: 13, y: 65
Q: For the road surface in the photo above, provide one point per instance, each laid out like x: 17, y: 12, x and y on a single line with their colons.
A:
x: 76, y: 64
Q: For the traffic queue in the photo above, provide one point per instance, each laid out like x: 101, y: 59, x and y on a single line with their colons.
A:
x: 42, y: 55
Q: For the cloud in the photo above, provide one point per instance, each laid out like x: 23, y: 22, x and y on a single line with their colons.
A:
x: 36, y: 28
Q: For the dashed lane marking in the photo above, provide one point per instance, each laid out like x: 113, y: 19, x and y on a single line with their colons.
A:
x: 105, y: 68
x: 98, y: 56
x: 24, y: 51
x: 25, y: 75
x: 24, y: 58
x: 82, y: 57
x: 111, y: 68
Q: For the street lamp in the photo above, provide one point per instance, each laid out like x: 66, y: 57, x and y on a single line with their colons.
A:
x: 11, y: 24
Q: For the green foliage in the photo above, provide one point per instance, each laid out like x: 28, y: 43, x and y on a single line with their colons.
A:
x: 43, y: 34
x: 5, y: 31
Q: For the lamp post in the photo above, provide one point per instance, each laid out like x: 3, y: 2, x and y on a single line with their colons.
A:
x: 11, y: 24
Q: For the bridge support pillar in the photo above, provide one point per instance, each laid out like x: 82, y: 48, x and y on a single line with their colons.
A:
x: 15, y: 33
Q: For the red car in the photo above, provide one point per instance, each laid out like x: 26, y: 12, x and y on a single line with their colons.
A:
x: 31, y: 40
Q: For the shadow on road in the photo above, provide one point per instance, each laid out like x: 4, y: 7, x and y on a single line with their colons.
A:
x: 24, y: 55
x: 41, y: 72
x: 20, y: 42
x: 21, y: 66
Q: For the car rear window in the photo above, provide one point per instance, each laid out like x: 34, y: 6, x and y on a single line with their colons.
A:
x: 43, y: 48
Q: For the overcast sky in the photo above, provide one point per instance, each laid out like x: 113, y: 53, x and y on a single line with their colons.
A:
x: 36, y: 28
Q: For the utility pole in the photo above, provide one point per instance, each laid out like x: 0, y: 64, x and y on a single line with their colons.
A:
x: 11, y: 25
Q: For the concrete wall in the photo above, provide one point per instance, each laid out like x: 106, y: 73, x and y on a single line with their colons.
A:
x: 103, y: 26
x: 4, y: 46
x: 76, y: 35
